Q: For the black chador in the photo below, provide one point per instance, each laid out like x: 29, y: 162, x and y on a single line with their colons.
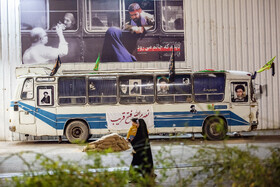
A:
x: 142, y: 160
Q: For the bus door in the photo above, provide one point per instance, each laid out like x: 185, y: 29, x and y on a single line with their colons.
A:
x: 240, y: 106
x: 26, y: 108
x: 45, y: 110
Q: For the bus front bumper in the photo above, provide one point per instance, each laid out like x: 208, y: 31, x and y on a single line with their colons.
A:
x: 254, y: 125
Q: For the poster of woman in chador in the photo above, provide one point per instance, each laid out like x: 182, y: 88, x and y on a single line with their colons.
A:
x: 117, y: 30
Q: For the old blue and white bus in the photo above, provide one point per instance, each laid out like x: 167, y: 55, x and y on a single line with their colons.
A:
x: 79, y: 104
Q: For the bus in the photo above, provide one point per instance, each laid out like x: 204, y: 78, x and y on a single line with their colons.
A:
x: 79, y: 104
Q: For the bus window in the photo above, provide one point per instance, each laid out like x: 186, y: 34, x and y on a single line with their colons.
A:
x: 164, y: 90
x: 34, y: 14
x: 102, y: 14
x: 172, y: 15
x: 49, y: 13
x: 102, y: 90
x: 64, y: 12
x: 45, y: 96
x: 239, y: 92
x: 136, y: 89
x: 27, y: 89
x: 179, y: 91
x: 148, y: 8
x: 72, y: 90
x: 209, y: 87
x: 182, y: 89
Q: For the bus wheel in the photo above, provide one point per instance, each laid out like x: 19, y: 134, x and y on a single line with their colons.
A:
x: 215, y: 128
x: 77, y: 132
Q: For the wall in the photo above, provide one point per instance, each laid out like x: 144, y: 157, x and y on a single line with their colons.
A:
x: 237, y: 35
x: 9, y: 59
x: 219, y: 34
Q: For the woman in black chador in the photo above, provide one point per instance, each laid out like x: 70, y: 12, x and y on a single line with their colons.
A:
x: 142, y: 161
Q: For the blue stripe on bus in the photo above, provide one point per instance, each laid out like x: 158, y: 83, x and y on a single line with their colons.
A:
x: 47, y: 117
x: 161, y: 119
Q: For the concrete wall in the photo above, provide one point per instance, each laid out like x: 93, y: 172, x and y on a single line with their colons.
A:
x: 219, y: 34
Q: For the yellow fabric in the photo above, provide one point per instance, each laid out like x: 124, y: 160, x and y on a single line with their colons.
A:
x: 132, y: 131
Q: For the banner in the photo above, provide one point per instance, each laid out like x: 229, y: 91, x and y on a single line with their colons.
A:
x: 119, y: 117
x: 120, y: 31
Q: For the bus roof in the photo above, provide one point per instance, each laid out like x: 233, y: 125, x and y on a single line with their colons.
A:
x: 82, y: 69
x: 87, y: 69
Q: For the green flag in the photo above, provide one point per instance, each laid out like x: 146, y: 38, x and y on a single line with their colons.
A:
x: 267, y: 66
x: 97, y: 63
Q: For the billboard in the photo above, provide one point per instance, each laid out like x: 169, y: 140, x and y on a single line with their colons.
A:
x: 117, y: 30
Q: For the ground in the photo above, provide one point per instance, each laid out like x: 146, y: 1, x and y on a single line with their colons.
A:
x: 181, y: 148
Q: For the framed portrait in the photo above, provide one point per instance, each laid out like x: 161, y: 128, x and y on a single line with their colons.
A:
x: 123, y: 89
x: 162, y: 85
x: 135, y: 87
x: 45, y: 96
x: 239, y: 92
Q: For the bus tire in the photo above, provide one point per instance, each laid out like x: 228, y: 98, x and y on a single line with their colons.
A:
x: 77, y: 132
x: 215, y: 128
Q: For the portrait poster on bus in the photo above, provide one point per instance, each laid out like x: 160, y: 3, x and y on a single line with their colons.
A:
x: 45, y: 96
x: 117, y: 30
x: 239, y: 92
x: 119, y: 117
x: 135, y: 88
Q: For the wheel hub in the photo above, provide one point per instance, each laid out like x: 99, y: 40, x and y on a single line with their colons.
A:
x: 76, y: 132
x: 214, y: 128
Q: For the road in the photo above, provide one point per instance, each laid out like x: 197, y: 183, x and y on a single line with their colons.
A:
x: 181, y: 149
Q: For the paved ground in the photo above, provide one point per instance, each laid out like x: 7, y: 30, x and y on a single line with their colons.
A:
x: 181, y: 148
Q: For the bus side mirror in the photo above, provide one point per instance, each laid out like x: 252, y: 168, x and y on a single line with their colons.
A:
x: 261, y: 90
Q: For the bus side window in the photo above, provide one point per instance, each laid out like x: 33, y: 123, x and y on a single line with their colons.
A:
x: 173, y: 18
x: 102, y: 90
x: 100, y: 15
x: 182, y: 89
x: 48, y: 14
x: 239, y: 92
x: 64, y: 12
x: 179, y: 91
x: 164, y: 90
x: 209, y: 87
x: 34, y: 9
x: 72, y: 90
x: 135, y: 89
x: 148, y: 8
x: 27, y: 89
